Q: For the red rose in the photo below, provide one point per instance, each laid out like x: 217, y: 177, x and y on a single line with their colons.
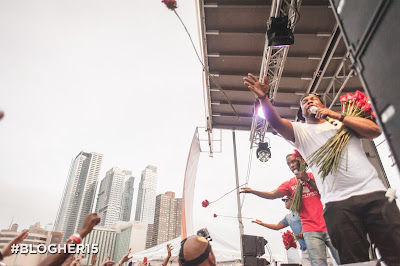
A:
x: 366, y: 107
x: 205, y: 203
x: 171, y: 4
x: 343, y: 98
x: 350, y: 96
x: 360, y: 95
x: 215, y: 215
x: 360, y: 103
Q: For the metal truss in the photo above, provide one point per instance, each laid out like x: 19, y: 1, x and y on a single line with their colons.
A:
x: 341, y: 78
x: 272, y: 65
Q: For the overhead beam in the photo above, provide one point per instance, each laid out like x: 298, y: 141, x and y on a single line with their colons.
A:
x: 325, y: 60
x: 262, y: 33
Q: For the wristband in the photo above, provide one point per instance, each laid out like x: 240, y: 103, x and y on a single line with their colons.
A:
x: 342, y: 117
x: 76, y: 238
x: 309, y: 180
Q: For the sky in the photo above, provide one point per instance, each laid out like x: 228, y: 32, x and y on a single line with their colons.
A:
x: 118, y: 78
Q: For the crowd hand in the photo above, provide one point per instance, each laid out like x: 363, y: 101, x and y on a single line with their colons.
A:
x: 91, y: 220
x: 107, y: 261
x: 169, y: 249
x: 258, y: 87
x: 302, y: 176
x: 246, y: 190
x: 258, y: 222
x: 17, y: 240
x: 125, y: 258
x: 77, y: 261
x: 94, y: 259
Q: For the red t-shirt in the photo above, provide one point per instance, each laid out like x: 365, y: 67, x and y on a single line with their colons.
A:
x: 311, y: 206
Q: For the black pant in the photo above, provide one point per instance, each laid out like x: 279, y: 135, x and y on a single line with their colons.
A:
x: 348, y: 222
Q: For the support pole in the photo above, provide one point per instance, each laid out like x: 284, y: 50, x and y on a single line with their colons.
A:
x: 238, y: 195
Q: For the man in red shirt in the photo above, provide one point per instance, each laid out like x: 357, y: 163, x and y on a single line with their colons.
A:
x: 314, y: 230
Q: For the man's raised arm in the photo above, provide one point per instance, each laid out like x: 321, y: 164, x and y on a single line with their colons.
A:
x: 282, y: 126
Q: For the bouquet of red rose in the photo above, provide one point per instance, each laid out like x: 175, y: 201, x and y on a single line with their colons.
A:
x: 289, y: 240
x: 298, y: 193
x: 329, y: 156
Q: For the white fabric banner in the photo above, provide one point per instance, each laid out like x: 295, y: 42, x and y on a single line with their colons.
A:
x: 188, y: 187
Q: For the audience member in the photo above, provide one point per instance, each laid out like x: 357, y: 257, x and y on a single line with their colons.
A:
x: 293, y: 220
x: 196, y: 250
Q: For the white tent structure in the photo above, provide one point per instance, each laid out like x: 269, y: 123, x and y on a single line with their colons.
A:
x: 225, y: 252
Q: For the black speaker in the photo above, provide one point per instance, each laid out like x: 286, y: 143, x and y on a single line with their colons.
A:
x: 254, y: 261
x: 253, y: 245
x: 371, y: 33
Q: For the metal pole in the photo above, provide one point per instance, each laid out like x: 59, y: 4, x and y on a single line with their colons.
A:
x: 238, y: 195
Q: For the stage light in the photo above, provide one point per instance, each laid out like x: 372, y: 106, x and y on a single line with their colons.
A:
x: 258, y: 109
x: 278, y: 32
x: 263, y: 152
x: 260, y: 112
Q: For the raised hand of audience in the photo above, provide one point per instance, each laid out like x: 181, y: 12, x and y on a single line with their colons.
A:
x: 17, y: 240
x: 91, y: 220
x: 107, y: 261
x: 125, y: 258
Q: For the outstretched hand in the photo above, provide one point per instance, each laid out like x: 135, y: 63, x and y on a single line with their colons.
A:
x: 107, y: 261
x: 246, y: 190
x: 169, y: 249
x: 258, y: 87
x: 125, y: 258
x: 257, y: 222
x: 17, y: 240
x: 91, y: 220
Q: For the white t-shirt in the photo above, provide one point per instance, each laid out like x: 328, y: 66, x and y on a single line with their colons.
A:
x: 360, y: 176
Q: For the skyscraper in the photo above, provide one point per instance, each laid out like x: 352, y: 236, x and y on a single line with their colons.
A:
x: 110, y: 202
x: 167, y: 220
x: 146, y: 200
x: 127, y: 198
x: 79, y: 193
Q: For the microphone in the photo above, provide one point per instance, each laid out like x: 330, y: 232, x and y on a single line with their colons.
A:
x: 295, y: 171
x: 313, y: 109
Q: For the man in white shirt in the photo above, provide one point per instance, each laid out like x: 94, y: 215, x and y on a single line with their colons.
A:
x: 355, y: 201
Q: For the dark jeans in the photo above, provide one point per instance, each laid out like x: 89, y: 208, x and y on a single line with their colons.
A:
x: 348, y: 222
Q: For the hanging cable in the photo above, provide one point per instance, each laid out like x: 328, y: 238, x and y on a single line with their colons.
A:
x: 247, y: 174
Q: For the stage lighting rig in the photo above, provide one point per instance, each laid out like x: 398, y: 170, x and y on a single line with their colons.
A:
x: 263, y: 152
x: 278, y: 32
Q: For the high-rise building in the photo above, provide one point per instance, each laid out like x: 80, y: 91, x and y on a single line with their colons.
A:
x: 167, y: 220
x: 146, y: 200
x: 127, y: 198
x: 79, y: 193
x: 114, y: 201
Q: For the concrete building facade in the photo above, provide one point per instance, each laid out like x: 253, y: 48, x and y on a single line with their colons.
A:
x: 167, y: 220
